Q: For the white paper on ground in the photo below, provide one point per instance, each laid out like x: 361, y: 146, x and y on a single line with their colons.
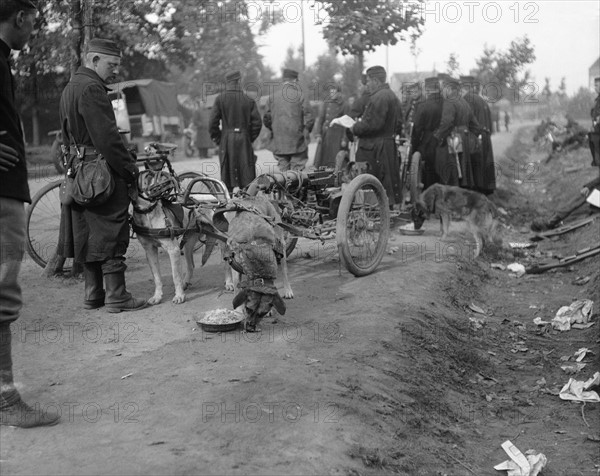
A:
x: 594, y: 198
x: 576, y: 390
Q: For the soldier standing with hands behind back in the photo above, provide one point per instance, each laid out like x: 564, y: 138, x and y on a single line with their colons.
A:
x: 98, y: 236
x: 17, y: 18
x: 235, y: 124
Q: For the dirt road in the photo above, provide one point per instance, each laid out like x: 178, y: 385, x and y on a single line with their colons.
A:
x: 382, y: 374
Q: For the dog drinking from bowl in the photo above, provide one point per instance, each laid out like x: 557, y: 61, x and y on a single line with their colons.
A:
x: 255, y: 246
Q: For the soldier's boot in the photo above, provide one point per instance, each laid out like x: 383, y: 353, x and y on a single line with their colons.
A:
x: 13, y: 410
x: 94, y: 285
x: 117, y: 298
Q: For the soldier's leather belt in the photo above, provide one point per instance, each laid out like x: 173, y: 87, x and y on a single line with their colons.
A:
x: 84, y: 151
x: 236, y: 129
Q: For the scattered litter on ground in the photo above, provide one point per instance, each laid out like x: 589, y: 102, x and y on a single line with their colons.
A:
x: 521, y: 246
x: 477, y: 309
x: 539, y: 322
x: 519, y: 464
x: 581, y: 280
x: 577, y: 312
x: 393, y: 249
x: 577, y: 390
x: 516, y: 268
x: 498, y: 266
x: 573, y: 368
x: 476, y: 324
x: 581, y: 353
x: 126, y: 376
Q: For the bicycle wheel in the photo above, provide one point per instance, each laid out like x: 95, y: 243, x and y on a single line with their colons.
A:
x: 43, y: 224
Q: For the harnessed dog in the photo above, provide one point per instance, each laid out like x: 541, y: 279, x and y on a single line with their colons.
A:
x: 160, y: 222
x: 255, y: 246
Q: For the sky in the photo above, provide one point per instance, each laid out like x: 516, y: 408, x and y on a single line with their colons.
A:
x: 565, y: 35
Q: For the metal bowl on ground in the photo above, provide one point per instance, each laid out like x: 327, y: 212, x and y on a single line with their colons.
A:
x: 220, y: 320
x: 409, y: 229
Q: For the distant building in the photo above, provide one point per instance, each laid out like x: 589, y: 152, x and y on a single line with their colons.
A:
x: 594, y: 72
x: 398, y: 80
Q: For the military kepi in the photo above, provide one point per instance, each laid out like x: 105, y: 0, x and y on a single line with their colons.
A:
x: 290, y: 73
x: 376, y: 72
x: 233, y: 76
x: 432, y: 83
x: 105, y: 47
x: 467, y: 80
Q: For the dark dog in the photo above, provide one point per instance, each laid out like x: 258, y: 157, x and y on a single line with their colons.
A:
x: 444, y: 201
x: 256, y: 245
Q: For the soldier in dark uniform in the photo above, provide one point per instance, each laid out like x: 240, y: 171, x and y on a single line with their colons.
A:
x: 290, y: 119
x: 17, y: 19
x: 98, y: 236
x: 426, y: 120
x: 457, y: 137
x: 234, y: 124
x: 484, y: 170
x: 358, y: 108
x: 414, y: 97
x: 381, y: 122
x: 331, y: 136
x: 594, y: 135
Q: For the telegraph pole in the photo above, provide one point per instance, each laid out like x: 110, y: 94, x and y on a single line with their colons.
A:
x: 303, y: 42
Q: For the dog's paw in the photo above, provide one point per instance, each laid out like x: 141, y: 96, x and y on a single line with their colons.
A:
x: 229, y: 287
x: 178, y: 299
x: 155, y: 300
x: 288, y: 294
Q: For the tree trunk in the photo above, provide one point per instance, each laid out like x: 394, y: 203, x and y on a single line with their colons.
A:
x: 35, y: 111
x: 77, y: 35
x: 361, y: 62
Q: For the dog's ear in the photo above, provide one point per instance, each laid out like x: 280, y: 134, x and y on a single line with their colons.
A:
x: 428, y: 199
x: 279, y: 304
x: 240, y: 298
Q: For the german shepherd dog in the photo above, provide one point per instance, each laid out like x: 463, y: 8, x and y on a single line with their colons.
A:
x: 445, y: 200
x: 160, y: 224
x: 256, y: 244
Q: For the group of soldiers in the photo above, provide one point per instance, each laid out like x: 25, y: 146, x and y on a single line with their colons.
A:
x: 450, y: 126
x: 451, y: 129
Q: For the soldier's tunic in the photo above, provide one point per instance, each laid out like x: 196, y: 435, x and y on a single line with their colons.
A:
x: 240, y: 123
x: 427, y: 119
x: 484, y: 169
x: 290, y: 119
x: 457, y: 118
x: 87, y: 119
x: 381, y: 121
x: 331, y: 137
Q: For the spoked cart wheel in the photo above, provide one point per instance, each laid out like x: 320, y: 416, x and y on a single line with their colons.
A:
x: 43, y: 225
x: 363, y: 225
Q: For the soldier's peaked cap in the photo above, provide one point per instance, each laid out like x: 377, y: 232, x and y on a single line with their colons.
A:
x: 233, y: 75
x: 290, y: 73
x: 105, y: 47
x: 432, y: 83
x: 376, y: 72
x: 468, y: 80
x: 449, y: 81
